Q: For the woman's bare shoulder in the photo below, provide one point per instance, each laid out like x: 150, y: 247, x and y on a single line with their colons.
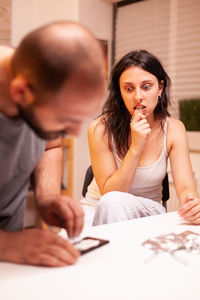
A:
x: 96, y: 127
x: 175, y: 124
x: 96, y: 133
x: 176, y: 133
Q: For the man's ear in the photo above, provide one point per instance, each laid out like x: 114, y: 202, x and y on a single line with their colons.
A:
x: 21, y: 92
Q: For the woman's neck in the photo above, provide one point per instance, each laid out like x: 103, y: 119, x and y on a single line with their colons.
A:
x: 153, y: 122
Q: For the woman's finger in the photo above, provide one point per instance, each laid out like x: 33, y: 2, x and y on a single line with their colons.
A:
x: 188, y: 206
x: 136, y: 117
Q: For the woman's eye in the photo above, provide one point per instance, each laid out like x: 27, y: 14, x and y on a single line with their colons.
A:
x: 146, y: 86
x: 129, y: 89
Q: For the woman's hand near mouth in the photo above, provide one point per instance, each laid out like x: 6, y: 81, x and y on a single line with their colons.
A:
x: 140, y: 128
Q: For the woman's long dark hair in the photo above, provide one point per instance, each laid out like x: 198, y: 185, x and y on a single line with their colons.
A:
x: 115, y: 115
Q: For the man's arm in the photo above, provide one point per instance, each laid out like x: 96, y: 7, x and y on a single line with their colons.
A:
x: 36, y: 246
x: 55, y: 209
x: 48, y: 173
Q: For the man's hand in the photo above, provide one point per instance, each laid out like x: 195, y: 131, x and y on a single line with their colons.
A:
x: 190, y: 210
x: 62, y: 211
x: 55, y: 209
x: 36, y: 247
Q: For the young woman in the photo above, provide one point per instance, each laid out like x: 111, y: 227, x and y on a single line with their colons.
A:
x: 130, y: 143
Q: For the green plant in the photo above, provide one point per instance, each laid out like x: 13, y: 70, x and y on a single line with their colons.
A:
x: 189, y: 110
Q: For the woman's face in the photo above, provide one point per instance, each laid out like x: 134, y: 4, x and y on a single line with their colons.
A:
x: 139, y: 88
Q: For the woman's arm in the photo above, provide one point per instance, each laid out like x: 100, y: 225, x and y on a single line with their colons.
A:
x: 107, y: 175
x: 182, y: 171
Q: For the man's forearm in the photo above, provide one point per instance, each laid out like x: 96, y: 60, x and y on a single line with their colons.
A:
x: 48, y: 173
x: 5, y: 249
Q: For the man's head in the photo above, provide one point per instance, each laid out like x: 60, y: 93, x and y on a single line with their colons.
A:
x: 58, y: 78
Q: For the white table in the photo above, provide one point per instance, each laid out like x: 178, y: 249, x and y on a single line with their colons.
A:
x: 115, y: 271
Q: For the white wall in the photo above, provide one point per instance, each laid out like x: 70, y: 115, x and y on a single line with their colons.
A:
x: 26, y: 15
x: 21, y: 20
x: 96, y: 15
x: 48, y: 10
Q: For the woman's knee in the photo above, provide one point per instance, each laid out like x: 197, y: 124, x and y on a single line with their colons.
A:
x: 110, y: 208
x: 112, y: 201
x: 107, y: 200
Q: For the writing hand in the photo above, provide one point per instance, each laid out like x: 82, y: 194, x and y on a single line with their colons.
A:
x: 37, y: 247
x: 63, y: 211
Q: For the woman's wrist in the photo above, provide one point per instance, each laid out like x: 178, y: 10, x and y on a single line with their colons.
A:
x: 135, y: 151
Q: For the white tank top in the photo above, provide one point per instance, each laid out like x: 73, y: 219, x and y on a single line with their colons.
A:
x: 147, y: 181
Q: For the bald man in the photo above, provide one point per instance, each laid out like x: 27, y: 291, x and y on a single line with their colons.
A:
x: 49, y: 85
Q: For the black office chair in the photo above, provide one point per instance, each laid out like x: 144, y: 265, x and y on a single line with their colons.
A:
x: 88, y: 178
x: 165, y: 184
x: 165, y: 191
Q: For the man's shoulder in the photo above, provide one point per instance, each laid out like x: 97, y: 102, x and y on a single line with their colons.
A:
x: 5, y: 50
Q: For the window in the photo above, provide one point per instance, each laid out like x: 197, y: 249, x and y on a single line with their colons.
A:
x: 169, y: 29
